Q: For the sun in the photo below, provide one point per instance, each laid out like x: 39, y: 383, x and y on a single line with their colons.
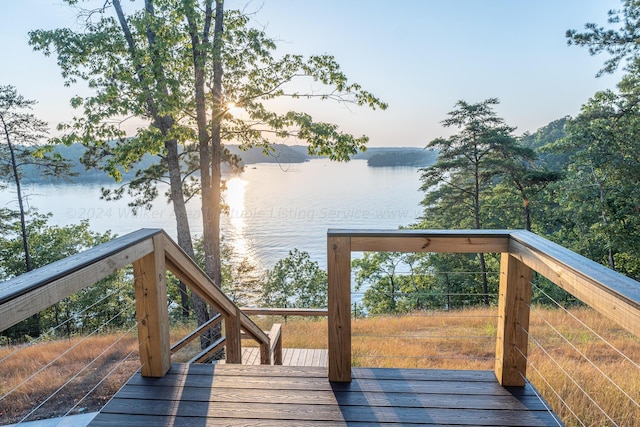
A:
x: 233, y: 109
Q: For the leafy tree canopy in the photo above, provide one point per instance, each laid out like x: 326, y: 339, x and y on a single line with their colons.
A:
x: 295, y: 281
x: 124, y: 74
x: 110, y: 300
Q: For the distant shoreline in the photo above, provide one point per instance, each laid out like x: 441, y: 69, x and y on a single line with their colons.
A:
x: 375, y: 157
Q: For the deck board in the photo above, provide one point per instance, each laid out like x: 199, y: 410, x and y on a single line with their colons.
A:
x: 290, y: 357
x: 208, y: 395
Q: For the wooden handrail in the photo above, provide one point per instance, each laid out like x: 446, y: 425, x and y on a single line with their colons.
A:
x: 179, y: 263
x: 151, y: 252
x: 608, y: 292
x: 263, y: 311
x: 23, y: 296
x: 612, y: 294
x: 215, y: 320
x: 205, y: 354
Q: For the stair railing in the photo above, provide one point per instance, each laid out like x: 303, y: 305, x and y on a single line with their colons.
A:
x: 152, y: 253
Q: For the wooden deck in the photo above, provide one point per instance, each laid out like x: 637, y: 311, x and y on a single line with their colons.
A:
x: 290, y: 357
x: 212, y: 395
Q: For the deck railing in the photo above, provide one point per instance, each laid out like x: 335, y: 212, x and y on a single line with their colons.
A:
x: 152, y: 253
x: 611, y: 294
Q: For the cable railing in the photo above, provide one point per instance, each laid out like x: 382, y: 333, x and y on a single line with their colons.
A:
x: 63, y: 372
x: 405, y: 318
x: 438, y: 339
x: 577, y: 370
x: 512, y: 335
x: 76, y: 364
x: 584, y: 364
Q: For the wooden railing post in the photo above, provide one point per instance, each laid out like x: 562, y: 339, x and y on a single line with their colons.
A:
x: 513, y: 321
x: 151, y: 311
x: 232, y: 331
x: 339, y: 300
x: 265, y: 353
x: 275, y: 336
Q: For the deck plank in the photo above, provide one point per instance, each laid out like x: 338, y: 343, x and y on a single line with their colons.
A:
x: 203, y: 395
x: 290, y: 357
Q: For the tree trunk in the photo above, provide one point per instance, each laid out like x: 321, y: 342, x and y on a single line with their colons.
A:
x: 34, y: 325
x: 527, y: 213
x: 478, y: 224
x: 16, y: 179
x: 164, y: 124
x: 211, y: 203
x: 199, y: 53
x: 180, y: 211
x: 211, y: 192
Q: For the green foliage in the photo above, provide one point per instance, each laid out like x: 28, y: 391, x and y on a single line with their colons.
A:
x: 179, y: 66
x: 23, y: 141
x: 50, y: 243
x: 402, y: 157
x: 393, y: 283
x: 400, y: 283
x: 133, y: 77
x: 599, y: 196
x: 461, y: 280
x: 620, y: 44
x: 587, y: 201
x: 484, y: 178
x: 109, y: 301
x: 546, y: 135
x: 295, y: 281
x: 241, y: 279
x: 467, y: 163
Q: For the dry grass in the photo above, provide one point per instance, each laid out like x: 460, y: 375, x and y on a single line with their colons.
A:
x: 75, y: 375
x: 444, y: 340
x: 581, y: 360
x: 33, y: 375
x: 466, y: 340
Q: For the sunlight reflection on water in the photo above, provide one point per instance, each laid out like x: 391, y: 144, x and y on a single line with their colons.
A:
x: 272, y: 208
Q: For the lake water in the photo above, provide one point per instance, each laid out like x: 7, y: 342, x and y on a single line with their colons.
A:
x: 272, y: 208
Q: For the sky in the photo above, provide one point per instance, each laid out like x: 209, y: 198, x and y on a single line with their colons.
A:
x: 419, y: 56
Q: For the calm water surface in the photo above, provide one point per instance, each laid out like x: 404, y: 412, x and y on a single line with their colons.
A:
x: 272, y: 208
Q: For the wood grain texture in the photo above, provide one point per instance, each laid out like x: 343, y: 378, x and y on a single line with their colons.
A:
x: 289, y: 357
x: 608, y: 292
x: 150, y: 285
x: 339, y: 305
x: 30, y: 293
x: 264, y: 311
x: 275, y: 349
x: 514, y: 297
x: 455, y: 241
x: 234, y: 343
x: 418, y: 243
x: 280, y: 395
